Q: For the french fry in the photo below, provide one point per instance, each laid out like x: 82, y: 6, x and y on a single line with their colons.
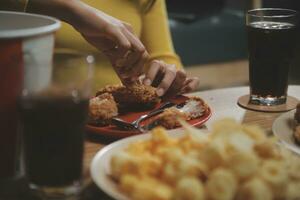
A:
x: 189, y: 188
x: 221, y: 185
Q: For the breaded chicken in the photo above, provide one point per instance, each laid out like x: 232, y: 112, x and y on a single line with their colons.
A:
x: 133, y: 96
x: 193, y: 108
x: 101, y: 109
x: 169, y: 118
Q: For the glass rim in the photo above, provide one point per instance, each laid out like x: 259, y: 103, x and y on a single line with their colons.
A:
x: 293, y: 13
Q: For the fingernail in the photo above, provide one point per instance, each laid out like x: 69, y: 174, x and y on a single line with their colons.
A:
x: 147, y: 81
x: 160, y: 91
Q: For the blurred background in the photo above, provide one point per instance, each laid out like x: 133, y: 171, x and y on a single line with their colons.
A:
x: 219, y: 56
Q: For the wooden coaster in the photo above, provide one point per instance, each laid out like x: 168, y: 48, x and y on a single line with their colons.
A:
x: 291, y: 103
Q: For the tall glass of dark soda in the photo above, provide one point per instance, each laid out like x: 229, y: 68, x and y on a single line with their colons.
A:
x: 271, y: 43
x: 52, y: 116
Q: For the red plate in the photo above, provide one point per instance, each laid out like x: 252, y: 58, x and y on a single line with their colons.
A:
x: 113, y: 132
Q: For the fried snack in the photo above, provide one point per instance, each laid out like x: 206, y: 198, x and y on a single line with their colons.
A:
x: 254, y: 188
x: 194, y: 107
x: 169, y: 118
x: 138, y: 97
x: 231, y: 163
x: 221, y: 185
x: 274, y: 173
x: 101, y: 109
x: 189, y: 188
x: 243, y: 164
x: 135, y: 96
x: 292, y: 191
x: 255, y: 132
x: 294, y: 167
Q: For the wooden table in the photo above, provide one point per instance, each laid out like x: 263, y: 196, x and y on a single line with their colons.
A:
x: 223, y: 103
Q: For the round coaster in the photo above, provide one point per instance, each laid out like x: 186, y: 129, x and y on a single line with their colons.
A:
x: 291, y: 103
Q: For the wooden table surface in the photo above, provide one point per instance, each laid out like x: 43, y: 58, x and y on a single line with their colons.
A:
x: 223, y: 103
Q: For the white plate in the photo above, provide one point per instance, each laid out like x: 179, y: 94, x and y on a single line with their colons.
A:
x: 100, y: 167
x: 283, y: 128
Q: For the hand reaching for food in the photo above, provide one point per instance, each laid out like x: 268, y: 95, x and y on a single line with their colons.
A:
x: 115, y: 38
x: 169, y: 80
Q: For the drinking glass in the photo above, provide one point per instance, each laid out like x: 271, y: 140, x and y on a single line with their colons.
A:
x: 271, y: 43
x: 53, y: 110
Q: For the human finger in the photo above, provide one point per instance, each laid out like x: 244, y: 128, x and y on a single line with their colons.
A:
x: 169, y: 77
x: 177, y: 84
x: 109, y: 48
x: 136, y: 43
x: 101, y: 43
x: 190, y: 85
x: 137, y: 69
x: 132, y: 55
x: 154, y: 68
x: 132, y: 73
x: 121, y: 48
x: 128, y: 27
x: 122, y: 42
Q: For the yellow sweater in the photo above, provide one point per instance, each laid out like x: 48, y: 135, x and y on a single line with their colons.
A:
x: 151, y: 27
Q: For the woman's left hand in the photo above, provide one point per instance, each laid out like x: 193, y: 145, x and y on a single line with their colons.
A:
x: 168, y: 80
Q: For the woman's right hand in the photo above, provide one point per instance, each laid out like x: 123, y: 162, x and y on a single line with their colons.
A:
x: 114, y: 38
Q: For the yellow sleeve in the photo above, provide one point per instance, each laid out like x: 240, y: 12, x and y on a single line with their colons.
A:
x: 156, y: 34
x: 13, y: 5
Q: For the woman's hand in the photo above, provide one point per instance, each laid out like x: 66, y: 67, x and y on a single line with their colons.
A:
x: 113, y: 37
x: 168, y: 80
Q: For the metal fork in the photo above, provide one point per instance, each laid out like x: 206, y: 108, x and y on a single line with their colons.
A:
x: 135, y: 125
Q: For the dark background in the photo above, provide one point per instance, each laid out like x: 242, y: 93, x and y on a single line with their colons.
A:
x: 208, y: 32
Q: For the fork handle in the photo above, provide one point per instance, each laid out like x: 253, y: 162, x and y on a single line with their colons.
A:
x: 154, y: 112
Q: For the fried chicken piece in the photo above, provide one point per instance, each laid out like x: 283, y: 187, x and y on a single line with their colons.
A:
x: 193, y: 108
x: 135, y: 96
x: 297, y: 134
x: 143, y: 93
x: 297, y: 114
x: 111, y: 89
x: 101, y: 109
x: 169, y: 118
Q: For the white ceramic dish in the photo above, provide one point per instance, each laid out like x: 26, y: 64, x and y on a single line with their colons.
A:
x: 283, y: 128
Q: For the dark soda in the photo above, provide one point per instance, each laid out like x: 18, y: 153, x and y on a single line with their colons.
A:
x: 53, y: 129
x: 271, y: 46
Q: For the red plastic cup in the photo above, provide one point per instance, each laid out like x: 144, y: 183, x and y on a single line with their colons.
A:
x: 25, y: 40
